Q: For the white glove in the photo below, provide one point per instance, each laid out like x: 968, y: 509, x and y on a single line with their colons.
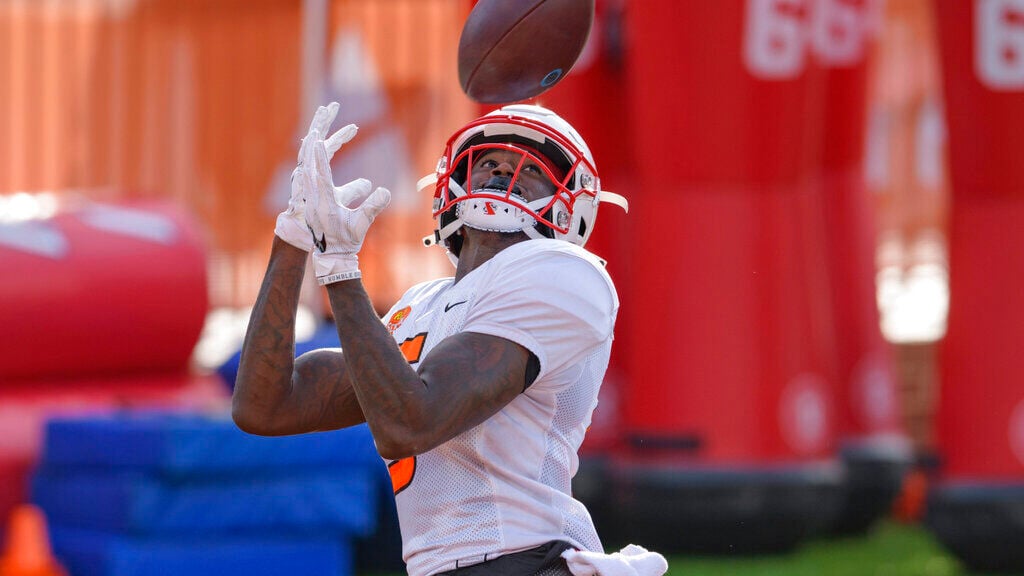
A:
x: 632, y: 560
x: 291, y: 224
x: 337, y: 217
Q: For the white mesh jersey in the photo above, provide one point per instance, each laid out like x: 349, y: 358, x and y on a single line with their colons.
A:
x: 504, y: 486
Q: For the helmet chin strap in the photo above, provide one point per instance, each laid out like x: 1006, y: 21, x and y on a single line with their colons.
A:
x: 442, y: 233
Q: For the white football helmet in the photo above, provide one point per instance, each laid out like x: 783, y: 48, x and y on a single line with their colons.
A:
x: 539, y: 135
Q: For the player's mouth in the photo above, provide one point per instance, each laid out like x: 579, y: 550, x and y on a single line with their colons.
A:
x: 501, y: 183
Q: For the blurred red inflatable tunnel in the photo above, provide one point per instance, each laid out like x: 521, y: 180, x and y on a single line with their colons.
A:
x: 97, y: 288
x: 976, y: 506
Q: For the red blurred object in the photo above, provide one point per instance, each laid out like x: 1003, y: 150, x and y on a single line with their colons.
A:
x: 868, y: 408
x: 909, y: 506
x: 101, y: 306
x: 730, y: 271
x: 974, y: 508
x: 980, y: 420
x: 869, y: 405
x: 982, y: 365
x: 100, y: 289
x: 730, y: 394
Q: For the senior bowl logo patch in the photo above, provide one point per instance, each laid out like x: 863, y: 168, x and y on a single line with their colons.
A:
x: 397, y: 318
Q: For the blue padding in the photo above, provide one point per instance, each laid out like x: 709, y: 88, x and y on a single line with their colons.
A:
x: 339, y: 501
x: 98, y: 554
x: 196, y: 444
x: 326, y: 336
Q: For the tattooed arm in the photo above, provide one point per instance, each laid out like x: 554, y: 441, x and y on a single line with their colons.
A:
x: 464, y: 380
x: 275, y: 394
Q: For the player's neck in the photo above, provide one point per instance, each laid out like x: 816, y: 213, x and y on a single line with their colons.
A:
x: 479, y: 246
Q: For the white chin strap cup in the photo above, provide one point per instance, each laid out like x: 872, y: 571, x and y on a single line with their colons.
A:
x: 493, y: 215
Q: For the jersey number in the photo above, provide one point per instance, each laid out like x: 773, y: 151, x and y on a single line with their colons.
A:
x: 412, y: 348
x: 999, y: 43
x: 403, y: 470
x: 779, y: 34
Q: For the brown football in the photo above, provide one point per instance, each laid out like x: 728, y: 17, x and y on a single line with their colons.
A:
x: 512, y: 50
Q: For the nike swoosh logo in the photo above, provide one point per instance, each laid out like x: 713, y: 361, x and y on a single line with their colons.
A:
x: 320, y: 244
x: 448, y: 307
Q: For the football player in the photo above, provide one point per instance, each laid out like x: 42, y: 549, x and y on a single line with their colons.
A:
x: 477, y: 388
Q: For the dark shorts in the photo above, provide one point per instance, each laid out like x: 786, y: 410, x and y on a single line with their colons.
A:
x: 544, y: 560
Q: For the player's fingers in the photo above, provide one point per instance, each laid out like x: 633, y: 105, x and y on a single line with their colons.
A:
x: 321, y: 122
x: 343, y: 135
x: 295, y: 182
x: 317, y: 162
x: 351, y: 195
x: 307, y: 158
x: 314, y: 124
x: 324, y: 116
x: 308, y: 191
x: 377, y: 202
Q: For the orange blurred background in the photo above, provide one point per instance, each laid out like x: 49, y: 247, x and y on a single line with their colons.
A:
x: 202, y: 103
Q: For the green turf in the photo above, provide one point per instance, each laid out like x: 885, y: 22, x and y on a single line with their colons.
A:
x: 889, y: 550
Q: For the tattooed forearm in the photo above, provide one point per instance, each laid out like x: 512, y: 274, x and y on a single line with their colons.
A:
x: 271, y: 397
x: 264, y: 375
x: 386, y: 386
x: 411, y: 412
x: 479, y: 375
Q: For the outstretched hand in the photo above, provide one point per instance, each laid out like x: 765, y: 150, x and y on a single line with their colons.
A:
x: 338, y: 217
x: 291, y: 224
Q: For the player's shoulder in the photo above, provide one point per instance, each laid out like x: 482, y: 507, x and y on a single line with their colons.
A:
x: 554, y: 264
x: 547, y: 250
x: 425, y: 289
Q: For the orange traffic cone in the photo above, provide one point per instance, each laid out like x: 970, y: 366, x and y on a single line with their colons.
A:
x: 28, y: 551
x: 910, y: 502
